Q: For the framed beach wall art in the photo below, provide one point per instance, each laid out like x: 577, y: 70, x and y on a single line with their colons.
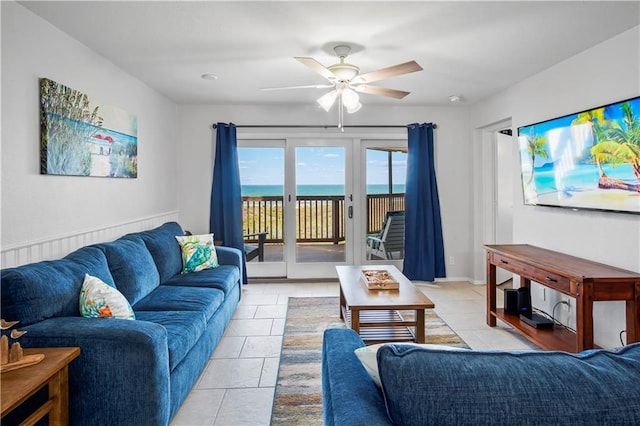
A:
x: 80, y: 136
x: 588, y: 160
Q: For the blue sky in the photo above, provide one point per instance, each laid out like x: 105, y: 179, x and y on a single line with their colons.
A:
x: 314, y: 166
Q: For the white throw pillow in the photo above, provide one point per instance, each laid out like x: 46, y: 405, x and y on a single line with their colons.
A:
x: 100, y: 300
x: 368, y: 356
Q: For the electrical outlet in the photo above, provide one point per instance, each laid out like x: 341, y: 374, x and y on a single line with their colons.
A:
x: 452, y: 260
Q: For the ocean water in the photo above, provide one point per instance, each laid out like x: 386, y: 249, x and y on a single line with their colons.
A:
x: 97, y: 131
x: 275, y: 190
x: 581, y: 177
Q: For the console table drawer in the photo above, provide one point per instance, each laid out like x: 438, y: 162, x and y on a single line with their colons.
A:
x: 555, y: 281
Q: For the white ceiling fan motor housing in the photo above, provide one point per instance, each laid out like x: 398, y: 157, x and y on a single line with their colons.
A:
x: 342, y: 70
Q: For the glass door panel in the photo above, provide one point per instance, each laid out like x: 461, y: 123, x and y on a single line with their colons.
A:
x: 263, y: 216
x: 320, y: 204
x: 385, y: 174
x: 319, y: 201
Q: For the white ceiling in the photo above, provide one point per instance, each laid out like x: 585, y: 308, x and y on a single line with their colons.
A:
x: 472, y: 49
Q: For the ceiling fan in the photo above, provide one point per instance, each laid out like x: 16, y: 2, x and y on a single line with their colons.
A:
x: 346, y: 81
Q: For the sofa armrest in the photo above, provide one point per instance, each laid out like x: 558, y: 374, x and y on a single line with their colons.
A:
x: 122, y: 373
x: 349, y: 394
x: 230, y: 256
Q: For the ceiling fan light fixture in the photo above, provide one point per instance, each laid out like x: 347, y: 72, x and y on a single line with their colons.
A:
x: 327, y: 100
x: 350, y: 99
x: 354, y: 108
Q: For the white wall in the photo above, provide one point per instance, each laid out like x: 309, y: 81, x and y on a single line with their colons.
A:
x: 452, y: 158
x: 39, y: 207
x: 605, y: 73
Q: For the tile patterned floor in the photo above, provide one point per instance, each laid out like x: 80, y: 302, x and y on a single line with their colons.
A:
x: 237, y: 385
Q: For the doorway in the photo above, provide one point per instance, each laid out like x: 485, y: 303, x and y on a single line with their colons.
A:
x: 505, y: 149
x: 312, y: 198
x: 498, y: 173
x: 297, y: 196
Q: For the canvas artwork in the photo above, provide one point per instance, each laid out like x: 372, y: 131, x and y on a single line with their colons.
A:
x: 80, y: 136
x: 586, y: 160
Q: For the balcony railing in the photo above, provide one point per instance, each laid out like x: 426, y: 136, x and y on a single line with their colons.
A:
x: 318, y: 218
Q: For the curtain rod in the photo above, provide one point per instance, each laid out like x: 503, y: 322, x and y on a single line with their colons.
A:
x: 315, y: 126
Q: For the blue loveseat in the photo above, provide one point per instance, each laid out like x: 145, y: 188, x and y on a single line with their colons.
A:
x: 442, y: 387
x: 129, y: 372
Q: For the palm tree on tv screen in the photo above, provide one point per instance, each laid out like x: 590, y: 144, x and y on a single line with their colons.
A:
x: 618, y: 144
x: 536, y: 146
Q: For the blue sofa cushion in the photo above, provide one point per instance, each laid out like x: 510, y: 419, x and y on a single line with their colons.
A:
x: 224, y: 277
x: 349, y: 395
x: 177, y: 298
x: 546, y: 388
x: 37, y: 291
x: 132, y: 267
x: 161, y: 243
x: 184, y: 328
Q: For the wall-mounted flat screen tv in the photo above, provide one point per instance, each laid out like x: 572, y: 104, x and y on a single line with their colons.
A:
x: 586, y: 160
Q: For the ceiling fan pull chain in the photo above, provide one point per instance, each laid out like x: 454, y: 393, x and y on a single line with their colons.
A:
x: 340, y: 113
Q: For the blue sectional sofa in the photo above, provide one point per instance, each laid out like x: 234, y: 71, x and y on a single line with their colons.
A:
x: 441, y: 387
x: 129, y: 372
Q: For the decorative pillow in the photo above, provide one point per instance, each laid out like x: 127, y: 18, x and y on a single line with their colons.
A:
x: 368, y: 356
x: 100, y: 300
x: 198, y: 252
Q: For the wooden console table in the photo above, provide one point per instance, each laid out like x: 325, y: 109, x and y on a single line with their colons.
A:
x: 19, y: 385
x: 582, y: 279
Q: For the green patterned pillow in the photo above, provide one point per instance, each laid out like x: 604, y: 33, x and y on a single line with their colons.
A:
x: 198, y: 252
x: 100, y: 300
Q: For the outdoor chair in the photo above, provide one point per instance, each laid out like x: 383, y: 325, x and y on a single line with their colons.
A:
x: 252, y: 250
x: 390, y: 240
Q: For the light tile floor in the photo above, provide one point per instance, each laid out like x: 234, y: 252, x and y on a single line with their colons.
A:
x: 237, y: 385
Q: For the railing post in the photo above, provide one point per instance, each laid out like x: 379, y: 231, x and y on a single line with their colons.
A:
x: 335, y: 226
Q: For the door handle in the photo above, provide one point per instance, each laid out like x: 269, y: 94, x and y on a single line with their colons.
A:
x: 350, y: 212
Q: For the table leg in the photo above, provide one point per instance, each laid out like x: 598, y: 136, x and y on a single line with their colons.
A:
x: 584, y: 317
x: 355, y: 320
x: 420, y: 338
x: 58, y: 393
x: 491, y: 292
x: 342, y: 303
x: 633, y: 316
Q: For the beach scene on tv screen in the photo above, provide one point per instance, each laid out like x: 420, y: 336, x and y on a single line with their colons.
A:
x: 586, y: 160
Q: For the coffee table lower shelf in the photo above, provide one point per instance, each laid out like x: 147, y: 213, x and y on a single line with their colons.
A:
x: 381, y: 326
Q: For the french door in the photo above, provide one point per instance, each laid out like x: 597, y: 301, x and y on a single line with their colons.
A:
x: 317, y: 199
x: 320, y: 206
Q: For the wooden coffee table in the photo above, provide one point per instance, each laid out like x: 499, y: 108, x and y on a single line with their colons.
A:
x: 375, y: 314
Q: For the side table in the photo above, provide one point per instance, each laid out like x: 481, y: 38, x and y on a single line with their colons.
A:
x: 19, y: 385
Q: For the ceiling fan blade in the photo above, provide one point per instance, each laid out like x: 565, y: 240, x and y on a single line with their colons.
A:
x: 310, y: 86
x: 317, y: 67
x: 384, y: 73
x: 383, y: 91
